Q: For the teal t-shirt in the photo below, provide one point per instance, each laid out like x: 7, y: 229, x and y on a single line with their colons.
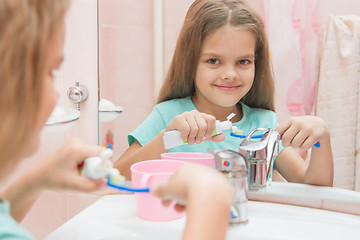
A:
x: 9, y: 228
x: 163, y: 113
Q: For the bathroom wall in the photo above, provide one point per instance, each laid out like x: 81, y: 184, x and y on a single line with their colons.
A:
x: 126, y: 65
x: 53, y: 208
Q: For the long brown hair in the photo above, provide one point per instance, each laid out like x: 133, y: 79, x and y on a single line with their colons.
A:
x: 202, y: 18
x: 26, y: 27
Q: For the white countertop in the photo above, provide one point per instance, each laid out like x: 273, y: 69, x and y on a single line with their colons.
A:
x: 114, y: 217
x: 327, y: 198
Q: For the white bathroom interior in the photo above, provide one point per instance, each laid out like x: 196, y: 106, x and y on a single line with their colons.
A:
x: 121, y: 49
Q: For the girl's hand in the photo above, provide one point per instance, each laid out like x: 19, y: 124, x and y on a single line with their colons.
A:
x: 207, y: 195
x: 192, y: 182
x: 60, y: 170
x: 195, y: 127
x: 303, y: 132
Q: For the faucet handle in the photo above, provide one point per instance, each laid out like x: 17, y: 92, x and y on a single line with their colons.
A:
x: 235, y: 168
x: 230, y: 161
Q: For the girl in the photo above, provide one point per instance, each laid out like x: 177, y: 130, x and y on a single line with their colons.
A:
x: 221, y: 66
x: 31, y: 48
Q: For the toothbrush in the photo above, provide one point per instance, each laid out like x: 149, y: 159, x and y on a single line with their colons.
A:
x: 116, y: 181
x: 101, y: 167
x: 237, y: 133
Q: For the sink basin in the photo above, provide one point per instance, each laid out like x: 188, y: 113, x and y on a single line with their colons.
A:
x: 114, y: 217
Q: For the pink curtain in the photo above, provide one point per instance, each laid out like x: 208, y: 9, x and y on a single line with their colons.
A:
x: 292, y: 30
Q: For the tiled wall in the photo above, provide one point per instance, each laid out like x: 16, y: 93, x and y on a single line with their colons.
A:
x: 126, y: 64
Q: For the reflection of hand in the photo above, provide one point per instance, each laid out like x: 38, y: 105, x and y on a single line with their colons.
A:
x: 207, y: 196
x: 60, y: 169
x: 303, y: 132
x: 195, y: 127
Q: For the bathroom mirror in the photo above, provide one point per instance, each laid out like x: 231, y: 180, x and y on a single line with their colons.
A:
x: 137, y: 39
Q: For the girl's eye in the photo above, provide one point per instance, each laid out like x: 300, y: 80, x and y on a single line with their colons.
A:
x: 244, y: 62
x: 213, y: 61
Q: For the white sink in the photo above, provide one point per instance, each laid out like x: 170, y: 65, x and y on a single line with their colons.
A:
x: 114, y: 217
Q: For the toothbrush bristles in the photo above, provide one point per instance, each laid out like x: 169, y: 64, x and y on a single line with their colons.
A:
x: 117, y: 179
x: 236, y: 131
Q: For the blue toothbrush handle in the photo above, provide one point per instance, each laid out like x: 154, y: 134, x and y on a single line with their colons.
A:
x: 244, y: 136
x: 317, y: 145
x: 129, y: 189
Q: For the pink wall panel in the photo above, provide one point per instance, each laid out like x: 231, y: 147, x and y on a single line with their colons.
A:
x: 175, y: 11
x: 126, y: 65
x: 126, y: 12
x: 124, y: 124
x: 76, y: 202
x: 134, y: 75
x: 174, y: 15
x: 47, y: 214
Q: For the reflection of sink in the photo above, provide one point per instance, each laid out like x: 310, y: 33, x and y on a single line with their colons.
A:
x: 114, y: 217
x: 328, y: 198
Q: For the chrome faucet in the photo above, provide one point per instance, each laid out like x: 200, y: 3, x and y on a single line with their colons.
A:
x: 234, y: 166
x: 259, y: 156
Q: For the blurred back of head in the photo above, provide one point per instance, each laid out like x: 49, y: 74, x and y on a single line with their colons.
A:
x: 26, y: 27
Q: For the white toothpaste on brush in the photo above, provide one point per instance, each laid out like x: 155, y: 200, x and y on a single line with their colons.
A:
x: 101, y: 167
x: 173, y: 138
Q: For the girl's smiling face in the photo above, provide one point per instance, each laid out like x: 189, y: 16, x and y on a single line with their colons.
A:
x: 226, y: 68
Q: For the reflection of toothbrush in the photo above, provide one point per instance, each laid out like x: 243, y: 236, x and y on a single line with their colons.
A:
x: 101, y: 167
x: 237, y: 133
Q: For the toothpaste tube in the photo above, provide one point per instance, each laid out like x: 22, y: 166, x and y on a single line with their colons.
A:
x: 173, y: 138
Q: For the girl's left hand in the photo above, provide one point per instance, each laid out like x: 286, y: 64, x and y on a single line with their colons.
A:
x: 303, y: 131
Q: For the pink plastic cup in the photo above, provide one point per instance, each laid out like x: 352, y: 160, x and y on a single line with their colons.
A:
x: 145, y: 174
x: 194, y: 157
